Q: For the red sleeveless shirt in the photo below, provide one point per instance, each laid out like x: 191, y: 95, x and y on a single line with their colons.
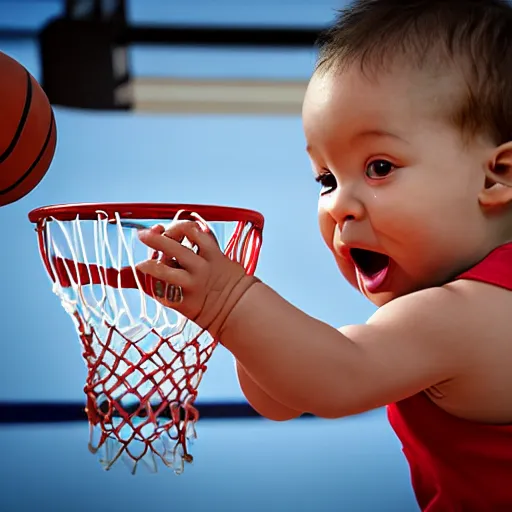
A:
x: 458, y: 465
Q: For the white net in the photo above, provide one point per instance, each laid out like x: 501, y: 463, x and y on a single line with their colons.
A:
x: 145, y: 361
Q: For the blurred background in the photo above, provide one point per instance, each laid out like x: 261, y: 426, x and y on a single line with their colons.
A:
x: 192, y: 101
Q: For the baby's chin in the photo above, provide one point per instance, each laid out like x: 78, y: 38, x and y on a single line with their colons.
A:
x: 382, y: 298
x: 397, y: 290
x: 393, y: 291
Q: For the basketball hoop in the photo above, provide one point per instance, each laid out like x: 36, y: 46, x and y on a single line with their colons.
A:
x: 144, y: 361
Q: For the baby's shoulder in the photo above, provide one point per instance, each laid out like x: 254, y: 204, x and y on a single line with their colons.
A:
x: 484, y: 391
x: 451, y: 336
x: 465, y: 323
x: 484, y: 307
x: 464, y: 307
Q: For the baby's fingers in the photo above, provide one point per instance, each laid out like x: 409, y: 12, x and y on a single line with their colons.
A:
x: 171, y: 249
x: 162, y: 272
x: 205, y: 240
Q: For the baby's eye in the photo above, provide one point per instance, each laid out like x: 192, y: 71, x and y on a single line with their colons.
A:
x: 327, y: 180
x: 379, y: 169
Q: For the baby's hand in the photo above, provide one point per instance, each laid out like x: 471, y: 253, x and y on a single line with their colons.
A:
x: 201, y: 284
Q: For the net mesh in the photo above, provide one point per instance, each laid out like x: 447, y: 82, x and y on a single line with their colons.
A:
x: 144, y: 361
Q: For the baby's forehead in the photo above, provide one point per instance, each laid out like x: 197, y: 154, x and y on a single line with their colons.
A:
x: 386, y: 92
x: 407, y: 103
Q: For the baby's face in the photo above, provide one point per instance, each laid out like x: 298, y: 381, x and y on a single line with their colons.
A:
x: 396, y: 179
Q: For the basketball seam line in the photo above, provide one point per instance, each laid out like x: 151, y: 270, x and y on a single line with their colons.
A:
x: 41, y: 153
x: 21, y: 124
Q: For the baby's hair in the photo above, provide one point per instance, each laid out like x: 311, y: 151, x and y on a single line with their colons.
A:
x: 471, y: 37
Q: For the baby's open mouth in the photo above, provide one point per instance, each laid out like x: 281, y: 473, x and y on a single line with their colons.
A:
x: 369, y: 263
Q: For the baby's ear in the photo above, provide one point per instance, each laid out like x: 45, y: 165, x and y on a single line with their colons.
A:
x: 497, y: 190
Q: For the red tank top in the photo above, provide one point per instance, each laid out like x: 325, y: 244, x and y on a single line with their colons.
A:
x: 458, y: 465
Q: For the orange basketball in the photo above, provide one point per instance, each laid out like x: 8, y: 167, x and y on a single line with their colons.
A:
x: 28, y: 133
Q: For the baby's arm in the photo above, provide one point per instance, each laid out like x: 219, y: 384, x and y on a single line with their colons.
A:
x: 261, y: 401
x: 409, y: 345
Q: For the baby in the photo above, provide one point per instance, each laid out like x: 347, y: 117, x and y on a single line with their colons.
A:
x: 408, y: 121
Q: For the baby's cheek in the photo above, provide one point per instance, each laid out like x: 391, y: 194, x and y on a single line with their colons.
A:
x: 348, y: 271
x: 327, y: 228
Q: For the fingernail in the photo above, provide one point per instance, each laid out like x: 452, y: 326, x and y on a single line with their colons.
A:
x: 159, y: 289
